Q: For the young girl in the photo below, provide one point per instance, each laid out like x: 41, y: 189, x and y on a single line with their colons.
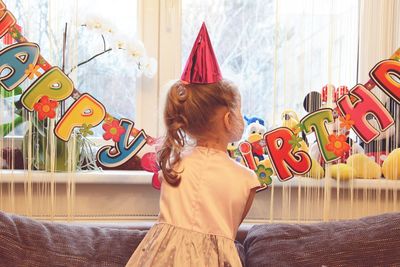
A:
x: 205, y: 195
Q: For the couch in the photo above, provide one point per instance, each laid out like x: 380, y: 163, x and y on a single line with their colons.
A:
x: 370, y: 241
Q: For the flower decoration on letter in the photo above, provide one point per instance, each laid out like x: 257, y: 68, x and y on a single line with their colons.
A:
x: 295, y: 141
x: 32, y: 71
x: 346, y: 122
x: 337, y: 144
x: 45, y: 108
x: 113, y: 130
x: 264, y: 175
x: 86, y: 130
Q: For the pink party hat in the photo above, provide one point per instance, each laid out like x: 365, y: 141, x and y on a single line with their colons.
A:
x: 202, y: 66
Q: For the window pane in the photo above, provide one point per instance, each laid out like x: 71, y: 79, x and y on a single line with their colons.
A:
x: 110, y: 77
x: 277, y: 51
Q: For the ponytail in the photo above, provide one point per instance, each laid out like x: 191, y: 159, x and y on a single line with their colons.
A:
x: 188, y: 111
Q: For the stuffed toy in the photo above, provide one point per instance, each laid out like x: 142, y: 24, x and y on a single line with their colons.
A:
x: 391, y: 165
x: 316, y: 170
x: 255, y: 131
x: 364, y: 167
x: 233, y: 151
x: 341, y: 171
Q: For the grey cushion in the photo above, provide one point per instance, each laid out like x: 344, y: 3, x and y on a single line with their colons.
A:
x: 370, y: 241
x: 26, y: 242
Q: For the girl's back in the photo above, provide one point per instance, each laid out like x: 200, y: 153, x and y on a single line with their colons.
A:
x: 199, y: 218
x: 211, y: 196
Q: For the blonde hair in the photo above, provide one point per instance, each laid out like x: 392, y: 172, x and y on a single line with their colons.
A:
x: 189, y: 110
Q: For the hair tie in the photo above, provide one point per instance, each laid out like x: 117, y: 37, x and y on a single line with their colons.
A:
x: 182, y: 93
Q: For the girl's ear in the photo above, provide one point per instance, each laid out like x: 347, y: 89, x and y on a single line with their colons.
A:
x: 227, y: 121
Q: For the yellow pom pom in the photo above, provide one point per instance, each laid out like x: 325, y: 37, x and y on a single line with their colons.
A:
x: 316, y: 170
x: 341, y: 171
x: 364, y: 167
x: 391, y: 166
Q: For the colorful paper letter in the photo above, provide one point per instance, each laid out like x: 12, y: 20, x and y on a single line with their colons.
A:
x: 85, y: 109
x: 123, y: 149
x: 365, y: 104
x: 14, y: 60
x: 285, y: 161
x: 316, y: 121
x: 7, y: 20
x: 383, y: 73
x: 247, y: 155
x: 54, y: 84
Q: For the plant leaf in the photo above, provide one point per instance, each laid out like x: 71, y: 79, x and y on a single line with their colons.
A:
x: 6, y: 128
x: 4, y: 93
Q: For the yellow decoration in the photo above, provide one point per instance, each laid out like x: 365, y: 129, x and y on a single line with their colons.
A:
x: 316, y: 170
x: 391, y: 166
x: 364, y: 167
x: 265, y: 162
x: 85, y: 110
x: 54, y: 84
x: 341, y: 171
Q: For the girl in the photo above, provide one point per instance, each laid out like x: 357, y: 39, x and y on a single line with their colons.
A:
x: 205, y: 195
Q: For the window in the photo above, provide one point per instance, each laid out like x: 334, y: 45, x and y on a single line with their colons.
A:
x: 277, y: 51
x: 110, y: 77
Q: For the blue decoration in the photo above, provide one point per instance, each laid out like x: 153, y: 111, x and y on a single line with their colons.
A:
x: 14, y: 60
x: 125, y: 150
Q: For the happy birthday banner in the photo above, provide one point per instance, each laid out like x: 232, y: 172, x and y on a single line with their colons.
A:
x: 23, y: 60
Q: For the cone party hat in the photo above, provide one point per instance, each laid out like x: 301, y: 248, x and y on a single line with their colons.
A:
x: 202, y: 66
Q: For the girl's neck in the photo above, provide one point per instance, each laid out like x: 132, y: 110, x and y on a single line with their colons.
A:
x: 213, y: 144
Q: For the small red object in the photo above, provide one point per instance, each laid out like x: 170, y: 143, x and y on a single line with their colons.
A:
x: 8, y: 39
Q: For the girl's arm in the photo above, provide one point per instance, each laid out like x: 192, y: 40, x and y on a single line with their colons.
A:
x: 249, y: 203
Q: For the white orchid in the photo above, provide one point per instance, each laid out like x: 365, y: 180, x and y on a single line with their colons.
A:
x: 98, y: 24
x: 136, y: 51
x: 148, y: 66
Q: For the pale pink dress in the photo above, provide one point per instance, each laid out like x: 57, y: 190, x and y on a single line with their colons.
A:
x: 199, y: 219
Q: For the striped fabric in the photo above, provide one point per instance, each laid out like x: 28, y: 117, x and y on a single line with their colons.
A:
x: 370, y: 241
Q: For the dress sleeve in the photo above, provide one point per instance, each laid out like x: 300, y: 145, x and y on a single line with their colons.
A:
x: 252, y: 181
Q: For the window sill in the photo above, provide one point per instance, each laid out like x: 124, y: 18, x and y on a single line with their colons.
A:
x: 143, y: 177
x: 89, y: 177
x: 299, y: 181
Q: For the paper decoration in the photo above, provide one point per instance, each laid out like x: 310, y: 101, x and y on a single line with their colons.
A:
x: 382, y: 74
x: 246, y: 151
x: 16, y: 59
x: 338, y: 145
x: 285, y: 161
x: 85, y: 110
x: 113, y: 130
x: 8, y: 39
x: 149, y: 163
x: 7, y: 20
x: 124, y: 149
x: 46, y: 108
x: 365, y: 104
x: 316, y: 122
x: 85, y: 130
x: 264, y: 175
x: 22, y: 60
x: 54, y: 84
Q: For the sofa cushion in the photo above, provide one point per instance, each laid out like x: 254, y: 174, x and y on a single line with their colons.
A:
x: 27, y: 242
x: 370, y: 241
